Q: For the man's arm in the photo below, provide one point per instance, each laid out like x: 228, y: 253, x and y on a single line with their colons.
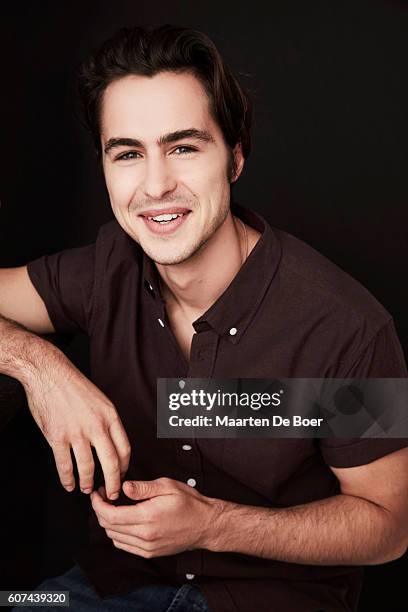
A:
x: 366, y: 524
x: 20, y: 301
x: 70, y: 410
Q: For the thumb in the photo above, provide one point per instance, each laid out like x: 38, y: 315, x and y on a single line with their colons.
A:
x: 144, y: 489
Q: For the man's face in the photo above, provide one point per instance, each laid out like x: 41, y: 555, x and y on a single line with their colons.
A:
x: 163, y: 153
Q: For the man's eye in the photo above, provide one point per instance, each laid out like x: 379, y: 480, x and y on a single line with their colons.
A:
x: 128, y: 155
x: 182, y: 150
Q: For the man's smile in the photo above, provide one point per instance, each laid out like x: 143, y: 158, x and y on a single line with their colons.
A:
x: 165, y: 222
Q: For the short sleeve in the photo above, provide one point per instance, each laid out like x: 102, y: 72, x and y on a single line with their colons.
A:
x: 65, y: 282
x: 381, y: 358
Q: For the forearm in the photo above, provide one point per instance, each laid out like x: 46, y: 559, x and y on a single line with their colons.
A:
x: 340, y: 530
x: 23, y: 353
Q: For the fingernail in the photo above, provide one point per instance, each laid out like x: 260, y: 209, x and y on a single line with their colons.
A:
x: 114, y: 495
x: 89, y: 490
x: 69, y: 488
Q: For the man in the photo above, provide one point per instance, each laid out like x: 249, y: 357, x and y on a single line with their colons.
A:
x: 185, y: 284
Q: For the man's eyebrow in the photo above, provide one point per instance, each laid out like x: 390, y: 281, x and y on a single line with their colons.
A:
x: 113, y: 143
x: 190, y: 133
x: 193, y: 133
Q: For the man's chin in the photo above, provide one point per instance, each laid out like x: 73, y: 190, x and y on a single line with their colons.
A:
x: 171, y: 257
x: 167, y: 258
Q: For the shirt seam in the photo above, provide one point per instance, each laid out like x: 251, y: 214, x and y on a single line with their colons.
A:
x: 353, y: 444
x: 356, y: 356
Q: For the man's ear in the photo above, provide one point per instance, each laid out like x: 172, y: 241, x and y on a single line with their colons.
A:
x: 239, y: 162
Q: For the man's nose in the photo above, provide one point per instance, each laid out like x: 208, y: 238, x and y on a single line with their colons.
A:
x: 158, y: 179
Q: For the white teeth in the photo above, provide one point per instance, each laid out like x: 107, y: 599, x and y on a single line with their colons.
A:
x: 166, y: 217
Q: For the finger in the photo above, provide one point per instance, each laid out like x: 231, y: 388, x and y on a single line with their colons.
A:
x: 122, y: 445
x: 118, y: 515
x: 146, y: 489
x: 108, y: 457
x: 134, y: 550
x: 129, y: 540
x: 85, y: 465
x: 129, y: 529
x: 63, y: 462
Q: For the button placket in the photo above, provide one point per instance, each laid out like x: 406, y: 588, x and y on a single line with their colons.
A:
x: 190, y: 563
x: 203, y: 354
x: 202, y: 360
x: 188, y: 458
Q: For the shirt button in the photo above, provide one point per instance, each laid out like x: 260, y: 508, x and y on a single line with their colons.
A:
x: 191, y: 482
x: 190, y: 576
x: 161, y: 322
x: 150, y: 287
x: 233, y: 331
x: 186, y: 447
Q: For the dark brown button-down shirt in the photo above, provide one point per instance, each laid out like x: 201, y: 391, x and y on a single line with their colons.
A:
x: 296, y: 315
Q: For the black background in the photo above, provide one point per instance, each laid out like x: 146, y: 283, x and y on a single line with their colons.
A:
x: 329, y: 160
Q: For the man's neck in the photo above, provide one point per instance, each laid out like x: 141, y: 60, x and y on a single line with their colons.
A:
x: 194, y: 285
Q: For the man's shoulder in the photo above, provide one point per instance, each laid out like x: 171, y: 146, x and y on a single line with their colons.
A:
x: 323, y: 285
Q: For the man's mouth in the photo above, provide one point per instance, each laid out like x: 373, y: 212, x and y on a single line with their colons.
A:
x: 165, y: 218
x: 166, y: 221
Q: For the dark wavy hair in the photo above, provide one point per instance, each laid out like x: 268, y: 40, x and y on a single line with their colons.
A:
x: 146, y: 52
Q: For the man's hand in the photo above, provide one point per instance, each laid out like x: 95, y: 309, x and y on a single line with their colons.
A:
x: 73, y: 413
x: 174, y: 517
x: 344, y: 529
x: 68, y: 408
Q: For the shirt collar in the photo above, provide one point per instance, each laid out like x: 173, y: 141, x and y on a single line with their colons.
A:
x: 232, y: 313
